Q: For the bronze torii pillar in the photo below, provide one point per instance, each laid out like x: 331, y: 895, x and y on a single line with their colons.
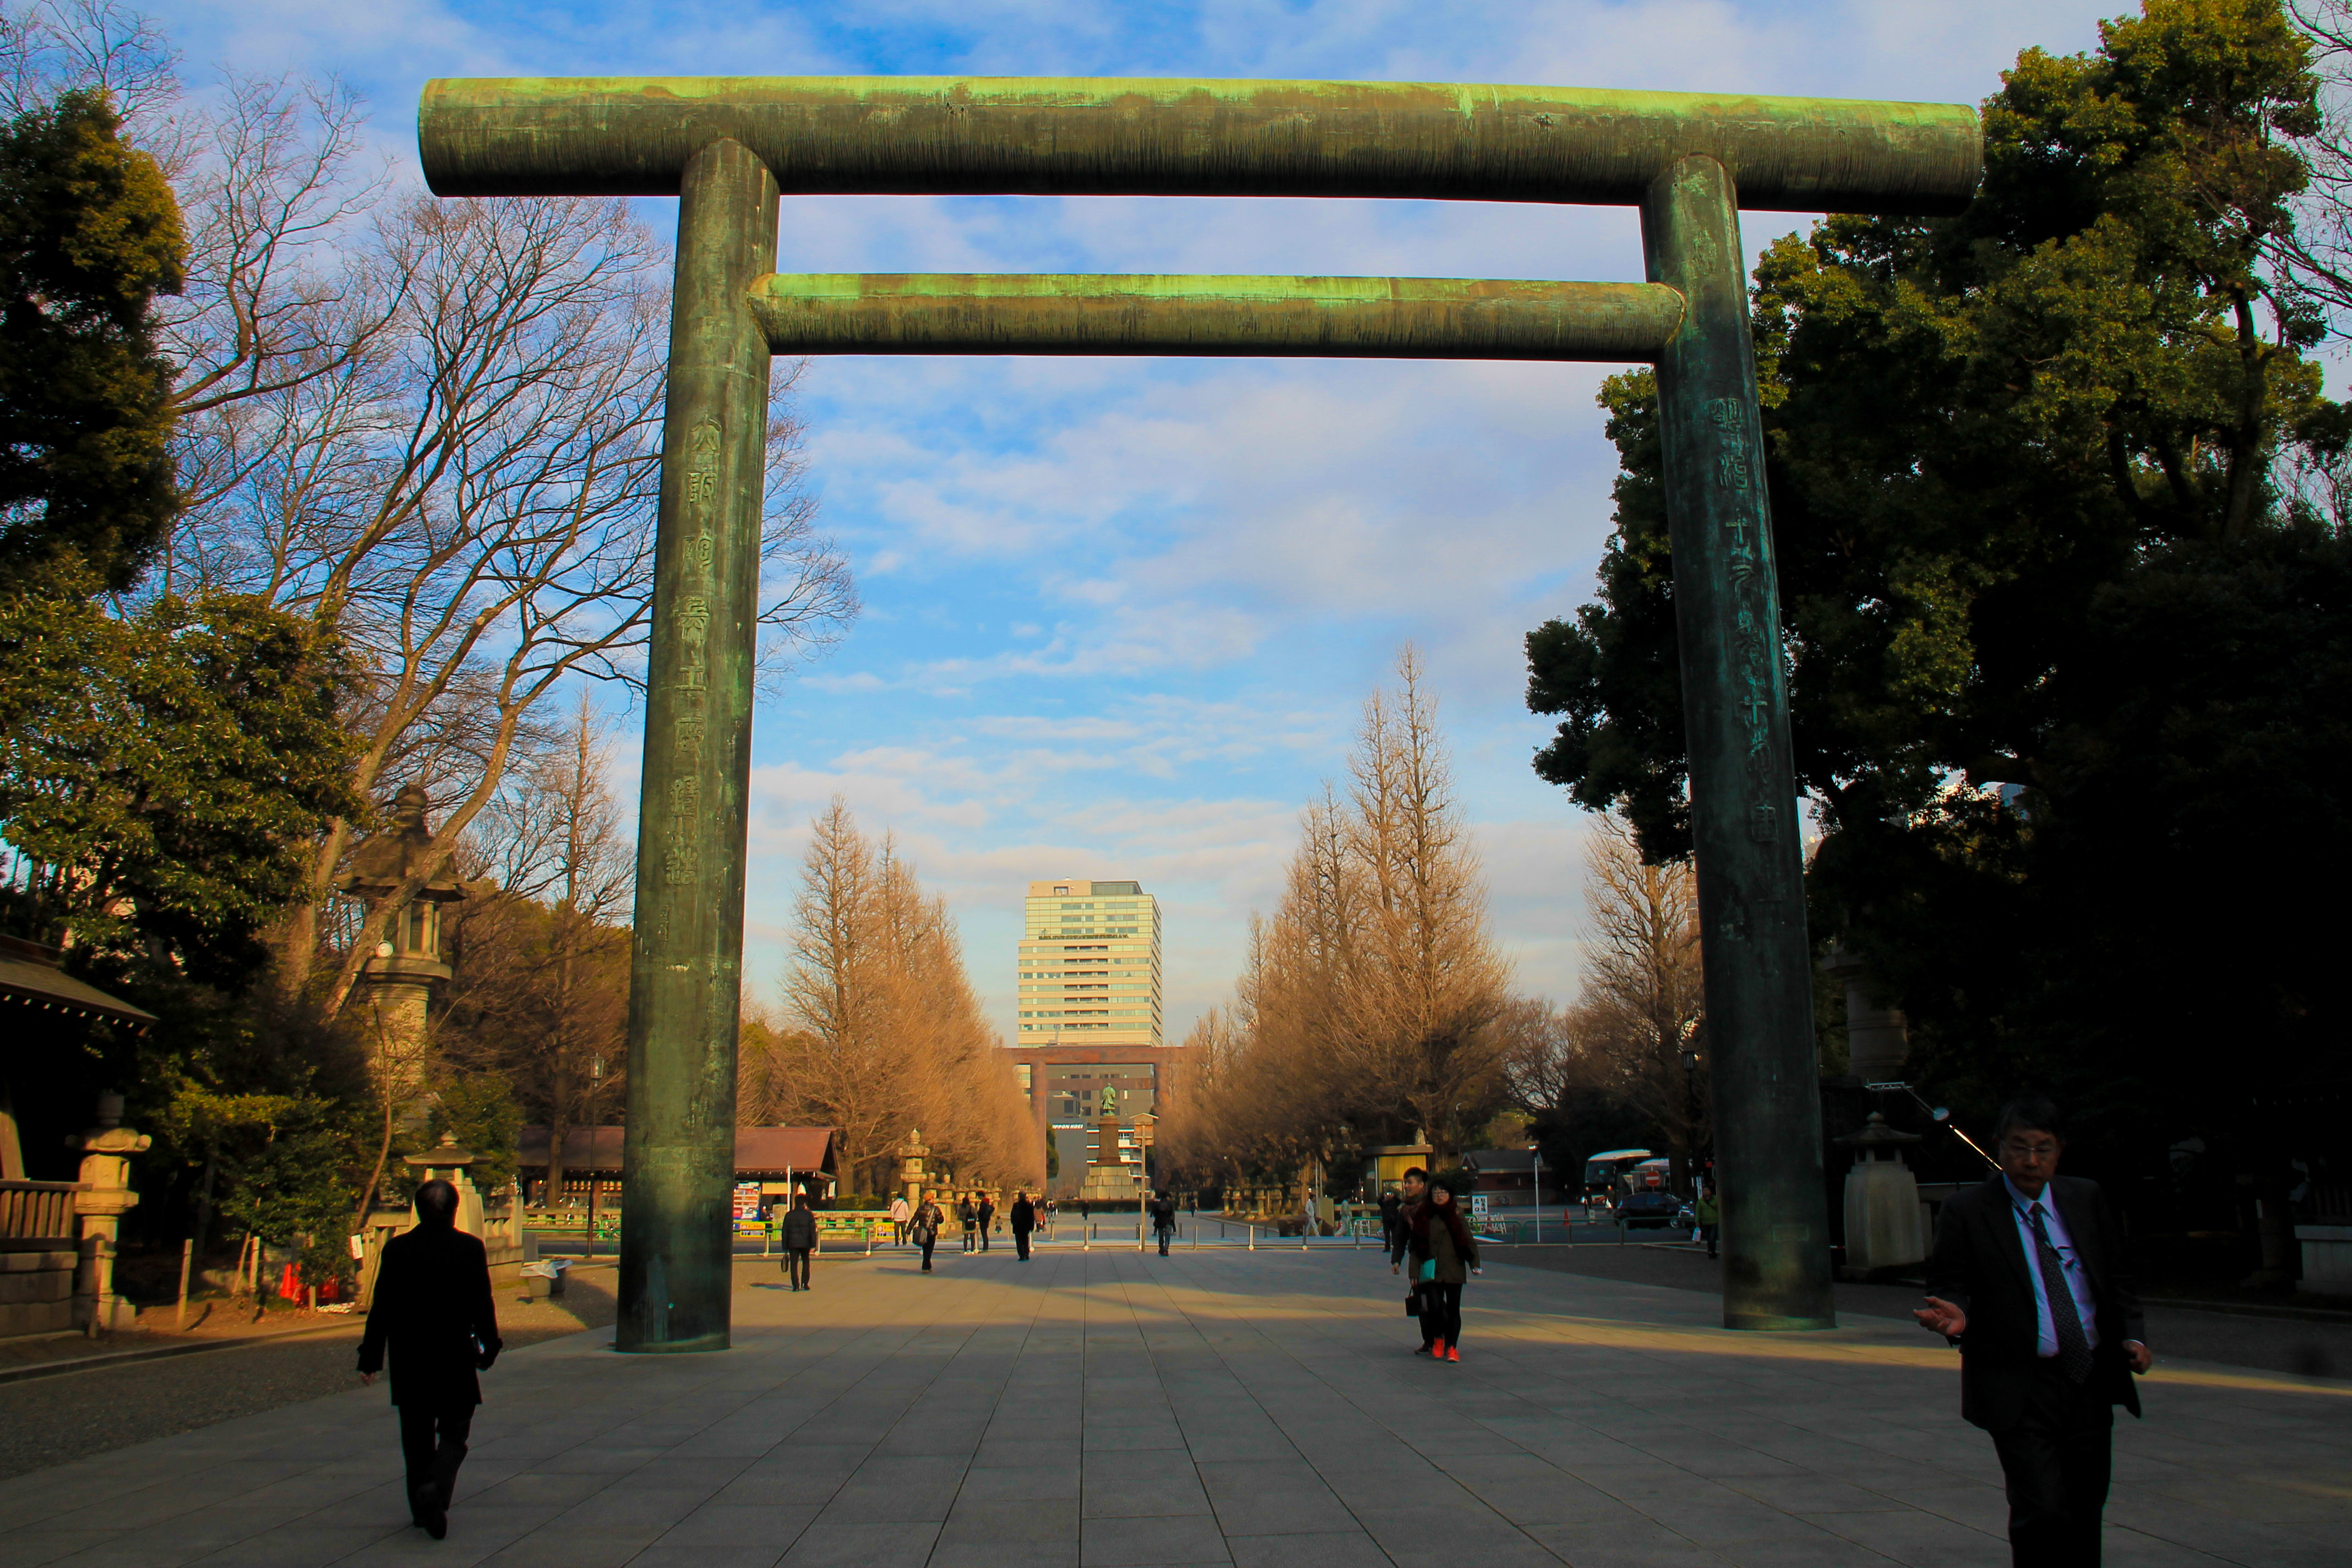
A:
x: 727, y: 146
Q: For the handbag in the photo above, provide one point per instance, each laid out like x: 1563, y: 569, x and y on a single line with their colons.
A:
x: 1412, y: 1303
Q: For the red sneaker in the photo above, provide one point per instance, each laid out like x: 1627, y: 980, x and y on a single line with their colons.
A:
x: 1437, y: 1350
x: 1453, y: 1352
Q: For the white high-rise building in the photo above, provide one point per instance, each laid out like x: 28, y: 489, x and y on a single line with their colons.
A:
x: 1090, y: 964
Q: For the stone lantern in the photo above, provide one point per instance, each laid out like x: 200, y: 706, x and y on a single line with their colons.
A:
x: 400, y: 977
x: 911, y: 1166
x: 1885, y: 1224
x: 447, y: 1162
x: 105, y: 1196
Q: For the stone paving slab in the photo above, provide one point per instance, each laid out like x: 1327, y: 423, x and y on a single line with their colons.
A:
x: 1102, y: 1409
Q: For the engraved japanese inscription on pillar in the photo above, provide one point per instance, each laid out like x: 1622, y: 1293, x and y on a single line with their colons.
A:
x: 691, y: 681
x: 1738, y: 471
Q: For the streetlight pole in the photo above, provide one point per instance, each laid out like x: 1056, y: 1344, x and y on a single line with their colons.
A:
x: 1537, y: 1150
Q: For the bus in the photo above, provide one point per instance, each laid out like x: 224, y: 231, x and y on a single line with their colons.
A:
x: 1605, y: 1173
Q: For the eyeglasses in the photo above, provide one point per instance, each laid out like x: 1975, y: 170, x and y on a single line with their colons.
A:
x: 2031, y: 1150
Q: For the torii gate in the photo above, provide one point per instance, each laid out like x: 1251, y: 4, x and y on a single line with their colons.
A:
x: 729, y: 147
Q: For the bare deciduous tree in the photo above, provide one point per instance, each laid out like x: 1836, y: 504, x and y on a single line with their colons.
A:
x: 431, y: 427
x: 882, y: 1033
x: 469, y: 499
x: 1541, y: 1068
x: 1373, y: 997
x: 50, y: 46
x: 1423, y: 999
x: 542, y: 952
x: 1643, y: 1004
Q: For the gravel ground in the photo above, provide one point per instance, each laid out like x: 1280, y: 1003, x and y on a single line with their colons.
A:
x: 48, y: 1420
x: 2266, y: 1344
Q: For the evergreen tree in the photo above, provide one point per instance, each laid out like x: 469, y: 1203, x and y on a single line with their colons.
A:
x: 2034, y: 551
x: 89, y: 233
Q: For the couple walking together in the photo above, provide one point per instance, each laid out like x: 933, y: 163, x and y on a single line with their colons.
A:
x: 923, y: 1224
x: 1429, y: 1234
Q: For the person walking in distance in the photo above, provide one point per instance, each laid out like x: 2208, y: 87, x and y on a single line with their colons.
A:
x: 1391, y: 1206
x: 969, y: 1212
x: 1415, y: 1183
x: 987, y: 1219
x: 1024, y: 1220
x: 1163, y: 1220
x: 1708, y: 1215
x: 800, y: 1241
x: 1046, y: 1212
x: 898, y: 1214
x: 1444, y: 1254
x: 923, y: 1229
x: 432, y: 1315
x: 2027, y: 1279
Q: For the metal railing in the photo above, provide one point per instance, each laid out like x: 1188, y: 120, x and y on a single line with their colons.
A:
x: 38, y: 1216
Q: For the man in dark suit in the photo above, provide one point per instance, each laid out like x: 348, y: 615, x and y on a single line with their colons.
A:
x: 1024, y: 1220
x: 432, y: 1308
x: 2028, y: 1280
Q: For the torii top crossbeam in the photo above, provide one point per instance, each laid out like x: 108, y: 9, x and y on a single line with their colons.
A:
x: 1150, y: 136
x: 731, y: 148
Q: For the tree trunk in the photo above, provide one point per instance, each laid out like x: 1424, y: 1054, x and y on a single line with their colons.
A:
x: 559, y: 1121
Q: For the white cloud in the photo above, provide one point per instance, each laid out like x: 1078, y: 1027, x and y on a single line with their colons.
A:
x: 1194, y: 569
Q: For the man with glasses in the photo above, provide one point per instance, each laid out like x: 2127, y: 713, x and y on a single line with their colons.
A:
x: 2028, y: 1280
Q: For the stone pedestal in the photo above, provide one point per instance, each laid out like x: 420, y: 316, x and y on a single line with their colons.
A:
x: 1109, y: 1178
x: 1885, y: 1224
x: 37, y: 1292
x: 106, y: 1197
x: 2327, y: 1258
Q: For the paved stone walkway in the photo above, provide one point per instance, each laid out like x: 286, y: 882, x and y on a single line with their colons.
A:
x: 1212, y: 1407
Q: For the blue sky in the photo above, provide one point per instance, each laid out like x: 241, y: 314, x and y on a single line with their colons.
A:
x: 1119, y: 614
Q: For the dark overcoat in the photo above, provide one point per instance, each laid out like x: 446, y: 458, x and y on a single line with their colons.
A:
x: 433, y: 1313
x: 1979, y: 1267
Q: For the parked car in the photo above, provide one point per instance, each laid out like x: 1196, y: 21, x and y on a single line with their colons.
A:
x: 1651, y: 1208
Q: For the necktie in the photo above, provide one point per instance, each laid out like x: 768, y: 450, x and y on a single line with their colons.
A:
x: 2073, y: 1346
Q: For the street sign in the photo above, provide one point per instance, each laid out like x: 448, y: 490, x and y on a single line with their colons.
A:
x: 1478, y: 1204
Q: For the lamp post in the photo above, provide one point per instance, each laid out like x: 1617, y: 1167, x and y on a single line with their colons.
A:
x: 1537, y: 1150
x: 1691, y: 1059
x: 1144, y: 1123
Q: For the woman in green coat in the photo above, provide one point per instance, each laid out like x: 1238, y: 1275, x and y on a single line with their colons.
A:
x: 1444, y: 1254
